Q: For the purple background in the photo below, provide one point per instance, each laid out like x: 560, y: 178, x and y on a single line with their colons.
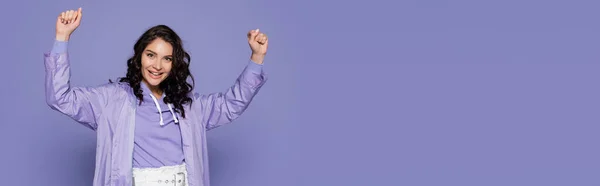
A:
x: 417, y: 93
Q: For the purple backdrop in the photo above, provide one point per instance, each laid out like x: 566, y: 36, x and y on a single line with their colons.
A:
x: 426, y: 92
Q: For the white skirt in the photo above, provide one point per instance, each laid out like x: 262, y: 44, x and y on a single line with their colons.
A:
x: 162, y: 176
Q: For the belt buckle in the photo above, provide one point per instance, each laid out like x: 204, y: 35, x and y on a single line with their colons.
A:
x: 180, y: 181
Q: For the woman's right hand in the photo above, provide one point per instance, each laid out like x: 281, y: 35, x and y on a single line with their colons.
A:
x: 66, y: 23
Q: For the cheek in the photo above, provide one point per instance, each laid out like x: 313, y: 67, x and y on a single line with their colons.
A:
x: 169, y: 67
x: 145, y: 62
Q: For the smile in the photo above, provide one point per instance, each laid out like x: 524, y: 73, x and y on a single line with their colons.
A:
x: 155, y: 74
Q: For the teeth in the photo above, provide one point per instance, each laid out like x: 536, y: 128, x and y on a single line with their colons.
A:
x: 155, y: 73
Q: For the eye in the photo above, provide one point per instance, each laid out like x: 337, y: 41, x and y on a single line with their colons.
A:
x: 169, y: 59
x: 149, y: 54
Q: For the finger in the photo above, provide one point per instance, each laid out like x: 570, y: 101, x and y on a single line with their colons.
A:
x: 67, y: 13
x: 252, y: 34
x: 73, y: 15
x: 78, y: 16
x: 62, y: 17
x: 264, y: 39
x: 258, y: 37
x: 255, y: 38
x: 66, y: 16
x: 70, y: 15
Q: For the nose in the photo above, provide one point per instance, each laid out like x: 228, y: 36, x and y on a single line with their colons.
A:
x: 157, y: 65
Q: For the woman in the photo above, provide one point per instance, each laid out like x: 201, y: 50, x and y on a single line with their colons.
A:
x: 151, y: 129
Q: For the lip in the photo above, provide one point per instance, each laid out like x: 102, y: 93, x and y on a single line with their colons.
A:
x: 150, y: 73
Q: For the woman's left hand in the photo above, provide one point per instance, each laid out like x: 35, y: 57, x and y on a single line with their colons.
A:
x: 259, y: 43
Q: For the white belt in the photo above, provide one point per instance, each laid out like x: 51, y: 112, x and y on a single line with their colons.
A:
x: 163, y: 176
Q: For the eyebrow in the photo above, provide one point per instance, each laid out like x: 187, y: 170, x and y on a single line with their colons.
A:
x: 148, y: 50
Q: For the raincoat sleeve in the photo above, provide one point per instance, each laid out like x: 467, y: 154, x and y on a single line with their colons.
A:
x: 222, y: 108
x: 83, y: 104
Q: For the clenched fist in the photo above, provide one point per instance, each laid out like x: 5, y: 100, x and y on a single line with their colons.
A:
x: 259, y: 43
x: 66, y: 23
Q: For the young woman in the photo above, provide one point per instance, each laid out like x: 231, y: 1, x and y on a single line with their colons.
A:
x: 151, y: 128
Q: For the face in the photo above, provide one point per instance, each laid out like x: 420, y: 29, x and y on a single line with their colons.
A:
x: 157, y: 60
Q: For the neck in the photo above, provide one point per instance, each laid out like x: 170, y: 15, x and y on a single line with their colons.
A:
x: 156, y: 91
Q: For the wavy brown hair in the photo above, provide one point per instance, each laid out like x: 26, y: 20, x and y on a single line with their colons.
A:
x: 175, y: 86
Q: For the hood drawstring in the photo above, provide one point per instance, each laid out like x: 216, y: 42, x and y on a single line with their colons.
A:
x: 160, y: 111
x: 173, y: 112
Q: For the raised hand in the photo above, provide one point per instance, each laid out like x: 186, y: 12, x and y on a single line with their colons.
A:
x: 66, y: 23
x: 259, y: 43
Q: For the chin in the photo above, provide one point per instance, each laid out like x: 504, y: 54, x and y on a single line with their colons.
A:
x: 153, y: 83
